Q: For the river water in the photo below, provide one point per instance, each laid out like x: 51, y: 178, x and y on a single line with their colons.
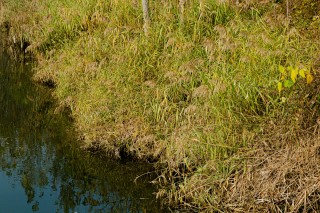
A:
x: 42, y: 168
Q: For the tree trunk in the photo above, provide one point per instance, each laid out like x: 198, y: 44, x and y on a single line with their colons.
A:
x: 181, y: 6
x: 146, y: 16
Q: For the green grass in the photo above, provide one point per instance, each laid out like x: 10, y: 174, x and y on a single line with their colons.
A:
x: 194, y: 95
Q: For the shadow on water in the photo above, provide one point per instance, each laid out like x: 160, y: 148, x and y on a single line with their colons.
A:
x: 41, y: 167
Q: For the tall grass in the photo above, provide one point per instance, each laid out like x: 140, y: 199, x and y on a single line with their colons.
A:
x: 193, y: 95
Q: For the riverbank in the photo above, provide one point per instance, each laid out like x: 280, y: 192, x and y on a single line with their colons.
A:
x: 42, y: 168
x: 223, y: 97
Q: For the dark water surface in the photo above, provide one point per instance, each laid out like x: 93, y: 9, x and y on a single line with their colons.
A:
x: 41, y: 166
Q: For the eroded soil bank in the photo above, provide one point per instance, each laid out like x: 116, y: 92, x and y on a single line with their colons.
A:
x: 222, y: 95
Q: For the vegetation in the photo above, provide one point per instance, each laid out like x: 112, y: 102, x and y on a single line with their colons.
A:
x: 39, y: 155
x: 198, y: 94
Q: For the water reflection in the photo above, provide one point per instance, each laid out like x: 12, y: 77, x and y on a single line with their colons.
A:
x: 42, y: 171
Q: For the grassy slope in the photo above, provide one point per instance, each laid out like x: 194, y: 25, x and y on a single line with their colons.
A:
x: 198, y: 94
